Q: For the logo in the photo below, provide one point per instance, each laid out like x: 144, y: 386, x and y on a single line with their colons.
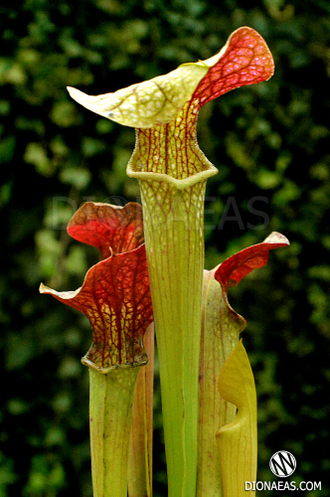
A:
x: 282, y: 463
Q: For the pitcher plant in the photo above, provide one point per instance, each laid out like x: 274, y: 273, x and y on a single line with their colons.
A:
x: 151, y: 275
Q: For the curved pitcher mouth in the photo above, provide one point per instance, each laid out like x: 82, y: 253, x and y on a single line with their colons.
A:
x: 180, y: 184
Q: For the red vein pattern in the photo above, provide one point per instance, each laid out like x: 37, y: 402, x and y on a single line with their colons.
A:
x: 115, y: 295
x: 247, y: 60
x: 107, y: 226
x: 172, y: 148
x: 236, y: 267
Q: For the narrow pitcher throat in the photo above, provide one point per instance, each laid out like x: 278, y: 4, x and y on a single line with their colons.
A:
x: 170, y: 152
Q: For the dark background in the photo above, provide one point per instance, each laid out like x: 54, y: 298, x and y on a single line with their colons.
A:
x: 271, y: 145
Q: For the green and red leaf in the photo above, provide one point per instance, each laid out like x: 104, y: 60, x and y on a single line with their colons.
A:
x: 115, y: 295
x: 106, y: 227
x: 233, y: 269
x: 244, y: 60
x: 221, y: 327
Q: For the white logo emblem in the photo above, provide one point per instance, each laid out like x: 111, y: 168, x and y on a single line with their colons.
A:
x: 282, y: 463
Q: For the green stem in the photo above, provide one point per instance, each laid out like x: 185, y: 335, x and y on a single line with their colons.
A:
x: 172, y: 173
x: 111, y: 399
x: 173, y: 220
x: 220, y: 333
x: 140, y: 454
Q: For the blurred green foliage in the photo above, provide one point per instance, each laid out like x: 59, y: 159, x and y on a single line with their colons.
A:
x: 271, y: 145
